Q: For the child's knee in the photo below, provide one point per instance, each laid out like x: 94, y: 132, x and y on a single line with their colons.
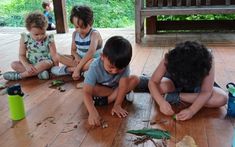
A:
x: 223, y: 98
x: 218, y: 100
x: 134, y: 79
x: 44, y: 65
x: 14, y: 64
x: 59, y: 57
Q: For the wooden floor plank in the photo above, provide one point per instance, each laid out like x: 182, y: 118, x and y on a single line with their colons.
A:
x: 140, y: 108
x: 61, y: 111
x: 8, y: 38
x: 157, y: 119
x: 138, y: 113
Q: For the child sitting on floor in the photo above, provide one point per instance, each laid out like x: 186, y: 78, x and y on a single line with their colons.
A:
x: 186, y: 74
x: 86, y: 44
x: 48, y: 8
x: 108, y: 79
x: 37, y: 51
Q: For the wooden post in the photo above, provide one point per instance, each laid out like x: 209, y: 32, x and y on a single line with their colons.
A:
x: 139, y: 23
x: 60, y: 16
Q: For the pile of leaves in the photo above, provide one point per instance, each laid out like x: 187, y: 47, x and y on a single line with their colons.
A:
x: 150, y: 134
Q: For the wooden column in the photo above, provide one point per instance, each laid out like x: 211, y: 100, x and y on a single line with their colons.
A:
x: 60, y: 16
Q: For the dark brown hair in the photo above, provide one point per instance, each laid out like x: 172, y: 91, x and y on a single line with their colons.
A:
x: 83, y: 13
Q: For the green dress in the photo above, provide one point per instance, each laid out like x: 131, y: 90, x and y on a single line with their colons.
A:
x: 37, y: 51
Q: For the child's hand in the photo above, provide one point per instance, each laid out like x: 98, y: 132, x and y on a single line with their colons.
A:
x: 30, y: 69
x: 94, y: 119
x: 185, y: 114
x: 166, y: 109
x: 76, y: 75
x: 117, y: 109
x: 76, y: 61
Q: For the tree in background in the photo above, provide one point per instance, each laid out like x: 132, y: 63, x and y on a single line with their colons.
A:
x: 108, y: 13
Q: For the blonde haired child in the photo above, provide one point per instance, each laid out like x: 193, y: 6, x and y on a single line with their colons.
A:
x: 37, y: 51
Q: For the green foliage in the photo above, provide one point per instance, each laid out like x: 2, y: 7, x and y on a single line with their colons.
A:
x: 197, y: 17
x: 13, y: 12
x: 107, y: 13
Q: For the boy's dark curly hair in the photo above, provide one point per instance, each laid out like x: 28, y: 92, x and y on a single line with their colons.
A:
x: 188, y: 63
x: 35, y: 20
x: 84, y: 13
x: 118, y: 50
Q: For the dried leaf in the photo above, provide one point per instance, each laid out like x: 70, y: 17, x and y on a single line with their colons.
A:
x: 2, y: 85
x: 140, y: 140
x: 187, y: 141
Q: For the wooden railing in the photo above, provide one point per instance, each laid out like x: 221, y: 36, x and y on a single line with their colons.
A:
x: 152, y: 8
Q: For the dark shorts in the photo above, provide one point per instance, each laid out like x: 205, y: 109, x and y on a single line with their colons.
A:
x: 195, y: 89
x: 143, y: 84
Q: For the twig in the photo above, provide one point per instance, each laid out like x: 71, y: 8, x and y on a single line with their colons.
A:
x: 146, y: 120
x: 140, y: 140
x: 164, y: 142
x: 151, y: 139
x: 50, y: 118
x: 68, y: 123
x: 66, y: 131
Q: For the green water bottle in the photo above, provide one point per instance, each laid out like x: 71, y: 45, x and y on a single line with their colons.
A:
x: 15, y: 102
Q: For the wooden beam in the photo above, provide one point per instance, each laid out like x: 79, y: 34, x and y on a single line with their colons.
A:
x: 196, y: 25
x: 60, y: 16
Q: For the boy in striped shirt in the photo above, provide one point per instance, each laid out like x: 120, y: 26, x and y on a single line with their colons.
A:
x: 86, y: 44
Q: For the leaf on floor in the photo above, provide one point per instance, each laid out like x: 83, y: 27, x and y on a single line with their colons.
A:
x: 56, y: 83
x: 3, y: 91
x: 2, y: 85
x: 61, y: 89
x: 80, y: 85
x: 187, y: 141
x: 150, y: 132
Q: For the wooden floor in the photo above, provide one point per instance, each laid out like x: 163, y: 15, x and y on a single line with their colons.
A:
x: 59, y: 119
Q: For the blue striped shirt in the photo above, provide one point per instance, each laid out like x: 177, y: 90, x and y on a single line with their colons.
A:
x: 83, y: 44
